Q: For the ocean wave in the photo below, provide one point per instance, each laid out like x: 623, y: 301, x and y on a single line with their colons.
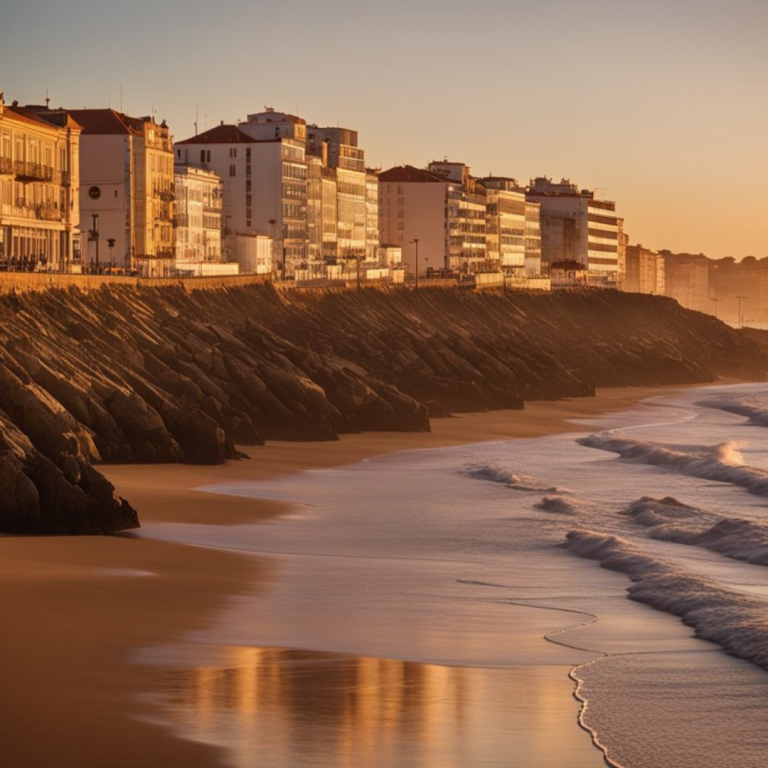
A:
x: 559, y: 505
x: 722, y: 463
x: 495, y: 474
x: 754, y: 407
x: 737, y: 622
x: 669, y: 520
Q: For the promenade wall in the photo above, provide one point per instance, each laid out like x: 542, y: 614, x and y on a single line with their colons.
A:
x: 22, y: 282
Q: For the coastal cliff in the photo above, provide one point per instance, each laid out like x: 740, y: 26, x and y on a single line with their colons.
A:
x: 163, y: 375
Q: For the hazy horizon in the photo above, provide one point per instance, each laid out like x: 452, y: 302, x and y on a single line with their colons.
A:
x: 660, y: 106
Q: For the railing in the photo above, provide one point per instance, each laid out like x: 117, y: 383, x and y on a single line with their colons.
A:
x: 36, y: 171
x: 6, y: 165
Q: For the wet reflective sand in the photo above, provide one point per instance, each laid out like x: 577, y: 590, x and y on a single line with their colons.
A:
x: 281, y: 708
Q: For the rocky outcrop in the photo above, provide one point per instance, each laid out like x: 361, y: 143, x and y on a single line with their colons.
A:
x: 162, y: 375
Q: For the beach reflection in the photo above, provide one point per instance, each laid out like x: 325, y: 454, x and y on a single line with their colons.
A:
x: 274, y: 707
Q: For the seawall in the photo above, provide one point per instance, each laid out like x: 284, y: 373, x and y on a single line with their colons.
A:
x: 165, y: 374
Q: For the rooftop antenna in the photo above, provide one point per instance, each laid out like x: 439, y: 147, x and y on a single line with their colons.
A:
x: 121, y: 95
x: 47, y: 99
x: 197, y: 116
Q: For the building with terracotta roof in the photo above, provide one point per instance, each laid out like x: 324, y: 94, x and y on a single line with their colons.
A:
x: 39, y: 182
x: 127, y: 192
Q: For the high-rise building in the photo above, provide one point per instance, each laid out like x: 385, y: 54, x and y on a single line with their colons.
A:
x: 39, y: 188
x: 532, y: 239
x: 126, y: 192
x: 575, y: 226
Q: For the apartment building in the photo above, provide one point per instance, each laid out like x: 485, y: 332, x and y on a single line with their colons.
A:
x: 39, y: 188
x: 466, y: 214
x: 413, y: 205
x: 575, y: 226
x: 532, y: 239
x: 686, y: 279
x: 198, y: 215
x: 126, y: 192
x: 644, y: 271
x: 264, y: 186
x: 505, y: 225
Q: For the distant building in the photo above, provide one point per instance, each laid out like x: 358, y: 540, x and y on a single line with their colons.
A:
x: 126, y: 193
x: 645, y: 271
x: 687, y: 280
x: 198, y: 215
x: 39, y: 188
x: 577, y: 227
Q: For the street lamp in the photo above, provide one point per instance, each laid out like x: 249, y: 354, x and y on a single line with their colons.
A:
x: 740, y: 299
x: 95, y: 236
x: 415, y: 241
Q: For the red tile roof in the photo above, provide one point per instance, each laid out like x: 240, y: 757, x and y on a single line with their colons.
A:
x: 106, y: 121
x: 407, y: 173
x: 221, y: 134
x: 27, y: 115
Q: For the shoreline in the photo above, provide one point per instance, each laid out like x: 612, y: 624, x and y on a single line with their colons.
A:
x: 81, y: 605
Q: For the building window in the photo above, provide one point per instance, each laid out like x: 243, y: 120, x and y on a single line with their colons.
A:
x: 233, y: 152
x: 248, y: 153
x: 248, y: 185
x: 202, y: 155
x: 401, y: 225
x: 232, y: 170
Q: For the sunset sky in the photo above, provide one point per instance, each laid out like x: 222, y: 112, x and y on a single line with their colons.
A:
x: 659, y: 105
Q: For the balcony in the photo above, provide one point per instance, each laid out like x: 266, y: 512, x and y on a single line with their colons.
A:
x: 6, y: 166
x: 32, y: 171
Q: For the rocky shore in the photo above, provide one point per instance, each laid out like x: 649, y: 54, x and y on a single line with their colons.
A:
x: 147, y: 375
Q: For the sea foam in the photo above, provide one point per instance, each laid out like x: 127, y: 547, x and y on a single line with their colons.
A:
x: 669, y: 520
x: 722, y: 462
x: 495, y: 474
x: 737, y: 622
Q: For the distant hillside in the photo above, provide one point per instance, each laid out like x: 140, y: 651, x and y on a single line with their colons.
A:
x: 161, y: 375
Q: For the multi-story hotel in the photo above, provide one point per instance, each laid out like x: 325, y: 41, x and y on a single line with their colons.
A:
x: 198, y: 215
x: 577, y: 227
x: 126, y: 193
x: 39, y: 188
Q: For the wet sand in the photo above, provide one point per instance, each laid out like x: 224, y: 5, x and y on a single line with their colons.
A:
x: 77, y: 607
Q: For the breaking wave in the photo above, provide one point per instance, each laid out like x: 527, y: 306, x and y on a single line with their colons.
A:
x: 558, y: 505
x: 737, y: 622
x: 754, y: 407
x: 669, y: 520
x: 496, y: 474
x: 723, y: 462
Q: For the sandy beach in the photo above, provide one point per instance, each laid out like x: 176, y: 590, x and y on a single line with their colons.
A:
x: 77, y: 607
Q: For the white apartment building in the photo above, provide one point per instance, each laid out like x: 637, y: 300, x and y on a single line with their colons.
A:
x: 198, y: 215
x: 372, y: 254
x: 265, y: 188
x: 126, y: 193
x: 577, y: 227
x: 39, y: 188
x: 505, y: 225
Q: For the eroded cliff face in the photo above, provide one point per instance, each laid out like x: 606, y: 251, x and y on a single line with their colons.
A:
x: 162, y: 375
